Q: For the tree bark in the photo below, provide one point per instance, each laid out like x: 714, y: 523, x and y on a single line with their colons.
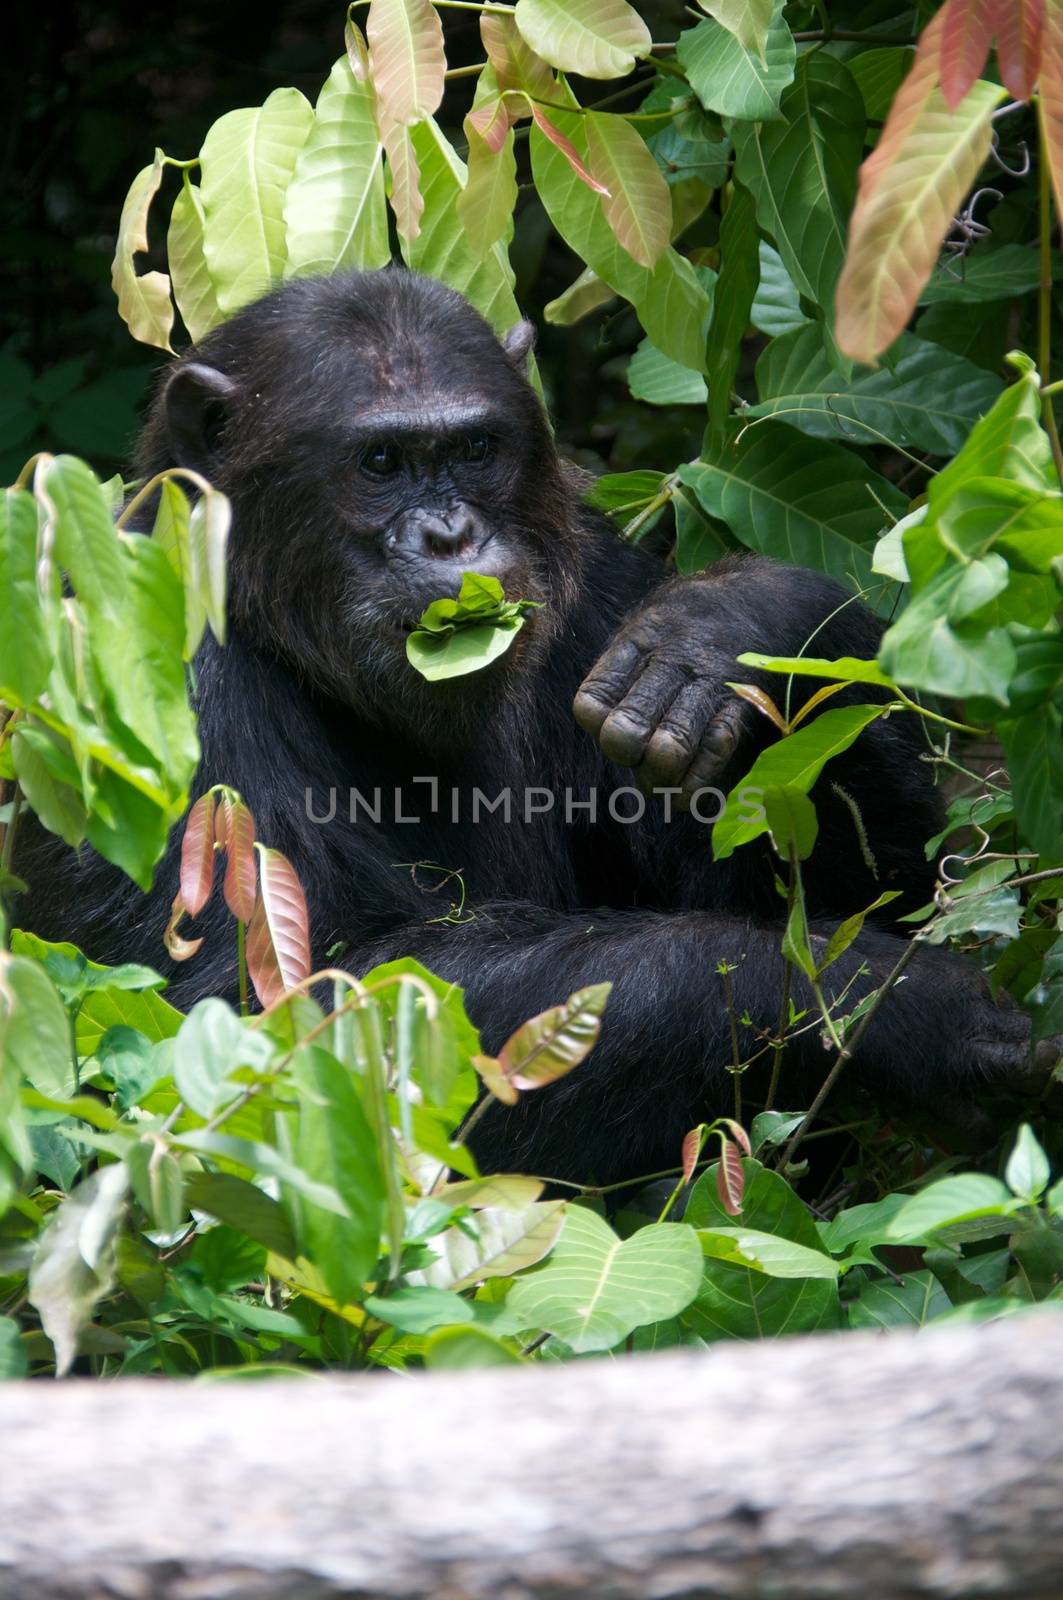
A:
x: 886, y: 1467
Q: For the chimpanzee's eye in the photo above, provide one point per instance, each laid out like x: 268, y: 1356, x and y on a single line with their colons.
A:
x: 381, y: 460
x: 476, y: 448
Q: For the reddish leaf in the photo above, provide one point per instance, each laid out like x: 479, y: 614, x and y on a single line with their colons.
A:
x: 1019, y: 27
x: 492, y: 122
x: 197, y: 855
x: 763, y: 701
x: 551, y: 1044
x: 738, y: 1134
x: 407, y: 58
x: 278, y: 935
x: 730, y: 1178
x: 407, y: 201
x: 240, y: 876
x: 515, y: 62
x: 567, y: 149
x: 179, y: 949
x: 692, y: 1150
x: 1051, y: 99
x: 637, y: 202
x: 495, y: 1080
x: 967, y: 30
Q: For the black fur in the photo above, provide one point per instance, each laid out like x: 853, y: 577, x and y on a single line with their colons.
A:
x: 329, y: 567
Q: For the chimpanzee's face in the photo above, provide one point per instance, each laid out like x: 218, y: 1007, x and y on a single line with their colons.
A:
x: 375, y: 451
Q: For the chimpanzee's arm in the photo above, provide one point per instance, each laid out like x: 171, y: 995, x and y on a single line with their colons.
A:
x: 660, y: 1066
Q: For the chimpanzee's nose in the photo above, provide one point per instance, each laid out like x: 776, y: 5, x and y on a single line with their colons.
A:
x: 452, y: 533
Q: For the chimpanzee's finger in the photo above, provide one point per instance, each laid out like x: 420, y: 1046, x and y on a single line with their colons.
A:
x: 677, y: 736
x: 718, y: 744
x: 627, y: 731
x: 605, y: 685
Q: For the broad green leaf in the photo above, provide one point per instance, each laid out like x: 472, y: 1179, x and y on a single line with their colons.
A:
x: 932, y: 647
x: 659, y: 381
x: 795, y: 761
x: 74, y: 1263
x: 669, y: 301
x: 585, y: 295
x: 623, y: 493
x: 863, y: 1225
x: 144, y: 301
x: 247, y: 162
x: 418, y: 1309
x: 748, y: 20
x: 910, y: 190
x: 35, y: 1037
x: 596, y: 1288
x: 879, y: 73
x: 335, y: 216
x: 997, y: 274
x: 486, y: 204
x: 776, y: 306
x: 172, y: 532
x: 14, y: 1362
x: 926, y: 397
x: 333, y: 1142
x: 212, y: 1044
x: 469, y: 649
x: 49, y: 779
x: 916, y: 1299
x: 1008, y: 443
x: 740, y: 1302
x: 950, y: 1200
x: 192, y: 286
x: 263, y: 1159
x: 25, y: 655
x: 800, y: 500
x: 792, y: 820
x: 496, y: 1243
x: 441, y: 248
x: 801, y: 171
x: 407, y: 59
x: 1033, y: 744
x: 102, y: 992
x: 638, y: 206
x: 241, y: 1206
x: 766, y: 1252
x: 594, y: 38
x: 731, y: 306
x: 734, y: 80
x: 452, y: 1350
x: 133, y: 1063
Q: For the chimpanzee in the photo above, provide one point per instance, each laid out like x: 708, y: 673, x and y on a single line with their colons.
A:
x: 377, y: 441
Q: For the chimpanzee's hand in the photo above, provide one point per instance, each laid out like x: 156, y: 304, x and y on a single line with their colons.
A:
x: 657, y: 698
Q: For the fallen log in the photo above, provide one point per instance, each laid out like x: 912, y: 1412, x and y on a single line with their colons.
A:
x: 890, y: 1467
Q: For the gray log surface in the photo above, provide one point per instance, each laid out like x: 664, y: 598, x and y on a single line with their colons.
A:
x: 879, y: 1467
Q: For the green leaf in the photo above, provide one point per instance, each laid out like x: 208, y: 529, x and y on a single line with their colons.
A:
x: 192, y: 286
x: 930, y: 648
x: 596, y: 1288
x: 460, y: 1349
x: 748, y: 20
x: 766, y: 1252
x: 949, y: 1201
x: 1027, y: 1173
x: 417, y: 1309
x: 846, y: 669
x: 917, y: 1299
x: 660, y: 381
x: 25, y: 656
x: 35, y: 1035
x: 497, y: 1242
x: 669, y: 301
x: 470, y: 649
x: 335, y: 214
x: 795, y: 761
x: 730, y: 78
x: 925, y: 397
x: 731, y: 306
x: 241, y: 1206
x: 638, y: 206
x: 212, y: 1043
x: 333, y: 1142
x: 74, y: 1263
x: 801, y: 171
x: 799, y: 500
x: 773, y: 1128
x: 997, y: 274
x: 14, y: 1362
x: 1033, y: 744
x: 792, y: 820
x: 172, y: 532
x: 879, y: 74
x: 247, y: 163
x: 776, y: 305
x: 740, y: 1302
x: 132, y: 1063
x: 594, y: 38
x: 442, y: 249
x: 486, y: 204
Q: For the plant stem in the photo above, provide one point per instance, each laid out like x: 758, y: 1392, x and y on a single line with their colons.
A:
x: 846, y: 1053
x: 1044, y: 313
x: 241, y: 964
x: 784, y: 1005
x: 465, y: 72
x: 846, y: 36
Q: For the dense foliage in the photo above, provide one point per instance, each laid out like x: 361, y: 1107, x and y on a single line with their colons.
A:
x: 825, y: 241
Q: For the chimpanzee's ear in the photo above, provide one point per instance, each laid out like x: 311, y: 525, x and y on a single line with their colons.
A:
x: 197, y: 399
x: 519, y: 343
